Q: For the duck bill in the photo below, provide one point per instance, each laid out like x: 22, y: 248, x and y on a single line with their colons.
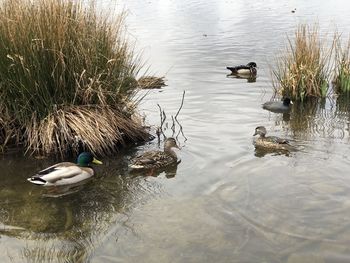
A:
x: 95, y: 161
x: 255, y: 133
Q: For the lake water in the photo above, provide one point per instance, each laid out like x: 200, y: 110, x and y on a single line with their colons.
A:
x: 225, y: 202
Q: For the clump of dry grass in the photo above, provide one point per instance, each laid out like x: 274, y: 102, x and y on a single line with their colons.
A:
x: 303, y: 70
x: 98, y: 128
x: 151, y: 82
x: 341, y: 82
x: 65, y: 72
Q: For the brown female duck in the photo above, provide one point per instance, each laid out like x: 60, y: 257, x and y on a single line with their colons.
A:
x: 157, y: 159
x: 270, y: 142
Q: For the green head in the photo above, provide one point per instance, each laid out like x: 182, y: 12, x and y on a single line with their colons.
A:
x: 85, y: 158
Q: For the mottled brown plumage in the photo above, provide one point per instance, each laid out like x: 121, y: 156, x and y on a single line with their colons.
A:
x: 270, y: 142
x: 157, y: 159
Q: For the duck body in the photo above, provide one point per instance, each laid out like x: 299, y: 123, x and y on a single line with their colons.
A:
x: 278, y: 106
x: 65, y: 173
x: 249, y: 69
x: 270, y: 142
x: 157, y: 159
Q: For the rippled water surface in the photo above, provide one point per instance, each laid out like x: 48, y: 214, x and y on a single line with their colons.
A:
x: 225, y: 202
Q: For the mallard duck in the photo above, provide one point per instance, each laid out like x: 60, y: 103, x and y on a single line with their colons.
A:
x: 66, y: 172
x: 157, y: 159
x: 249, y: 69
x: 270, y: 142
x: 278, y: 106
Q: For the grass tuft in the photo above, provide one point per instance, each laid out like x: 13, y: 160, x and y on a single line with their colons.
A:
x: 151, y: 82
x: 303, y: 70
x: 341, y: 82
x: 66, y: 72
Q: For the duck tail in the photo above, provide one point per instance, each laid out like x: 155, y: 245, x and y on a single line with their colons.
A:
x: 36, y: 180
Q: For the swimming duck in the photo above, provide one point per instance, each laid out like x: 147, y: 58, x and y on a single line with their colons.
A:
x: 66, y: 172
x: 157, y: 159
x: 249, y: 69
x: 278, y: 106
x: 270, y: 142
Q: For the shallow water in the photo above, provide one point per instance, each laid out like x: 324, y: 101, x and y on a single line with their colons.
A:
x: 225, y: 202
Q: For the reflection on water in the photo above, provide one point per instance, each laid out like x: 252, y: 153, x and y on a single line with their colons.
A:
x: 223, y: 203
x: 249, y: 78
x: 168, y: 172
x: 320, y: 117
x: 261, y: 152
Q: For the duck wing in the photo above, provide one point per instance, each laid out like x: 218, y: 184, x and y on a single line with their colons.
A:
x: 236, y: 68
x: 278, y: 140
x: 57, y: 172
x: 152, y: 159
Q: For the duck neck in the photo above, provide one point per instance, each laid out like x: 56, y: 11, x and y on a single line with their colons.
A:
x: 262, y: 135
x: 83, y: 164
x: 170, y: 151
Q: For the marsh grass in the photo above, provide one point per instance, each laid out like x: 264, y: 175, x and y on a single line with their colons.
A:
x: 151, y: 82
x: 66, y: 72
x: 303, y: 70
x: 341, y: 82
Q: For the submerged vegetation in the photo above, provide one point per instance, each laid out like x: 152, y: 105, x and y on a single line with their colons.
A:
x: 303, y: 70
x: 67, y: 78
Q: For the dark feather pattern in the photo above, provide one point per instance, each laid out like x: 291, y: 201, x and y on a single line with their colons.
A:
x: 250, y: 69
x: 270, y: 142
x: 157, y: 159
x: 153, y: 159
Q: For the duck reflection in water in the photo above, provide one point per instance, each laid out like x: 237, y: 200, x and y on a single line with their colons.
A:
x: 64, y: 190
x: 249, y: 78
x: 169, y: 172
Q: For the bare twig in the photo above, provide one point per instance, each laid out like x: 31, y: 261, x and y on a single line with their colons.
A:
x: 181, y: 129
x: 162, y: 120
x: 174, y: 121
x: 182, y: 103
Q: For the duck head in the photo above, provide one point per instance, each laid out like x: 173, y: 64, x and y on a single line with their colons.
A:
x: 85, y: 158
x: 252, y: 65
x: 287, y: 101
x: 170, y: 143
x: 260, y: 130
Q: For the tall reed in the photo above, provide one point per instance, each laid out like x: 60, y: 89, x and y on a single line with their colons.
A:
x: 66, y: 72
x: 341, y: 82
x: 303, y: 70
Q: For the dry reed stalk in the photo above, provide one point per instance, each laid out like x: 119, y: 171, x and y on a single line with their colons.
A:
x: 151, y: 82
x: 341, y: 82
x: 303, y: 70
x: 96, y: 128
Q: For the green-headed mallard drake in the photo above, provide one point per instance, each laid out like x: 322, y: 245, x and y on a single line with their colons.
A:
x: 249, y: 69
x: 157, y: 159
x: 278, y: 106
x: 66, y: 172
x: 270, y: 142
